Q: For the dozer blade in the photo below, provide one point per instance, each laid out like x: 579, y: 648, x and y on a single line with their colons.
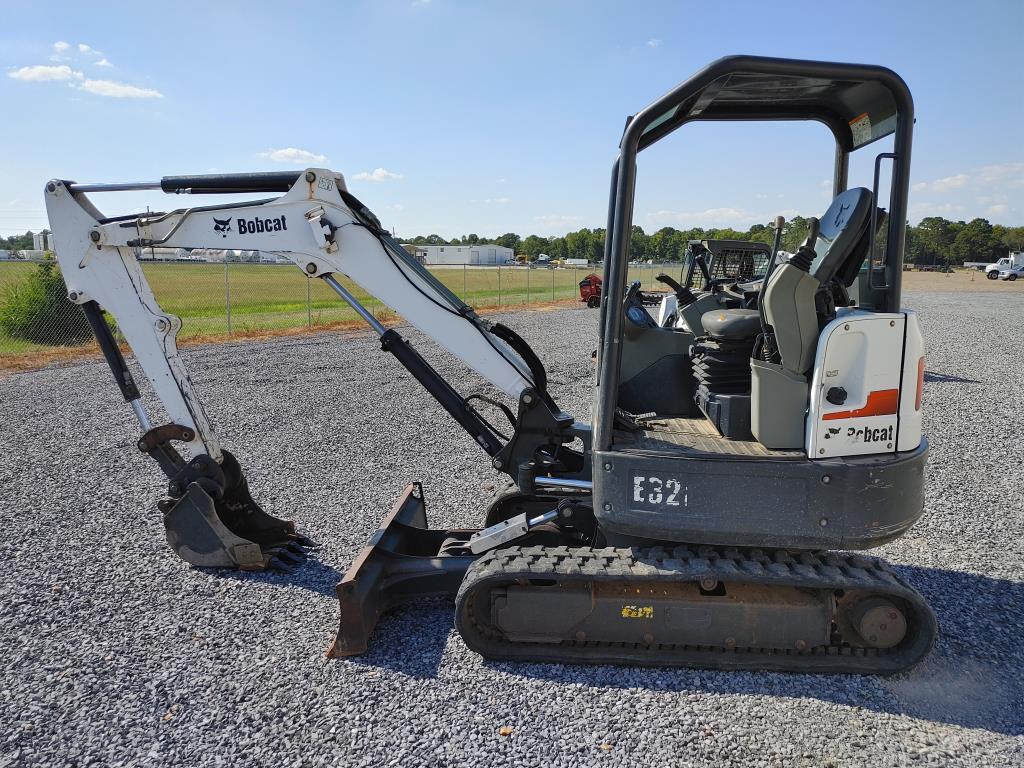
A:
x: 403, y: 561
x: 199, y: 536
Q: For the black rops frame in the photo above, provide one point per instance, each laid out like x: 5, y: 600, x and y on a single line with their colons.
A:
x: 756, y: 88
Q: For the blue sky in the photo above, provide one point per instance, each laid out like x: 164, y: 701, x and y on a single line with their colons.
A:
x: 456, y: 117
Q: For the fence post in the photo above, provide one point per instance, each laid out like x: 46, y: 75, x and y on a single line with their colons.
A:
x: 465, y: 294
x: 528, y: 271
x: 227, y: 294
x: 552, y: 284
x: 499, y: 285
x: 309, y: 304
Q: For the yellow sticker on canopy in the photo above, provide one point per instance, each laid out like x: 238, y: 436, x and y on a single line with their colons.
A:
x: 860, y: 127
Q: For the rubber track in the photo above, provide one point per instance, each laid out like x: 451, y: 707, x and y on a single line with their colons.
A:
x: 808, y: 570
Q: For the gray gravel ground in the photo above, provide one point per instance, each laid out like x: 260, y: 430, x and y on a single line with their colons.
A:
x: 116, y: 653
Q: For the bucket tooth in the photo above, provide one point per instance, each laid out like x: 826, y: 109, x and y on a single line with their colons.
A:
x: 285, y: 555
x: 277, y: 564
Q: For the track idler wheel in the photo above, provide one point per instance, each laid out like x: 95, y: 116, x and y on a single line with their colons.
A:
x: 878, y: 621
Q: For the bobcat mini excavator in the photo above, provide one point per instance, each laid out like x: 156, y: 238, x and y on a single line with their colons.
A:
x: 703, y: 519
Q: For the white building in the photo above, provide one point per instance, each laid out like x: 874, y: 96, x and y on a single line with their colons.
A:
x: 41, y: 242
x: 483, y: 254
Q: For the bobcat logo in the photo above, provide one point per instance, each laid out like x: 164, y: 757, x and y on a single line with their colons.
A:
x: 839, y: 216
x: 831, y: 431
x: 222, y: 225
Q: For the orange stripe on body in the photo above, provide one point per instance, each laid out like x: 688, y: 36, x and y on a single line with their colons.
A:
x: 881, y: 402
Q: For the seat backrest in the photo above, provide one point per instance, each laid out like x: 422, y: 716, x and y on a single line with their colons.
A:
x: 843, y: 240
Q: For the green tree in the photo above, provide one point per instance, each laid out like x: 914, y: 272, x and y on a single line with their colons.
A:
x: 556, y: 248
x: 974, y: 242
x: 533, y: 246
x: 18, y: 242
x: 794, y: 234
x: 933, y: 240
x: 37, y: 309
x: 639, y: 244
x: 508, y: 240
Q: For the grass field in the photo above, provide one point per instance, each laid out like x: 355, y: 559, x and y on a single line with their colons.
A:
x: 271, y: 297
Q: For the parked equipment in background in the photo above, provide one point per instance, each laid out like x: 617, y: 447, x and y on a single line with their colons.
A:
x: 590, y: 290
x: 718, y: 269
x: 1011, y: 273
x: 1013, y: 263
x: 590, y: 293
x: 662, y: 533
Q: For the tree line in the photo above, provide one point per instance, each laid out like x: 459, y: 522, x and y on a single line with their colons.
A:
x: 18, y: 242
x: 934, y: 241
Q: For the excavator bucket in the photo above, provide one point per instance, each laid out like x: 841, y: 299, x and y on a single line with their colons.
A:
x: 232, y: 531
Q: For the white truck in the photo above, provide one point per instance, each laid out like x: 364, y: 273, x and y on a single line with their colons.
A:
x: 1013, y: 263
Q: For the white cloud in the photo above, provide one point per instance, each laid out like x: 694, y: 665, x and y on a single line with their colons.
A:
x: 119, y: 90
x: 1009, y: 174
x: 653, y: 42
x: 712, y: 216
x: 500, y: 181
x: 377, y: 174
x: 83, y: 48
x: 294, y: 156
x: 943, y: 185
x: 103, y: 63
x: 419, y: 3
x: 497, y: 200
x: 41, y: 72
x: 60, y: 48
x: 716, y: 217
x: 988, y: 190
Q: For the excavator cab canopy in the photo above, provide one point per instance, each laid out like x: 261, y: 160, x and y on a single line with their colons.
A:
x: 859, y: 104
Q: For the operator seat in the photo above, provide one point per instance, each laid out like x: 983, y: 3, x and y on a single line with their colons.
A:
x: 841, y: 247
x: 764, y: 394
x: 780, y: 386
x: 843, y: 237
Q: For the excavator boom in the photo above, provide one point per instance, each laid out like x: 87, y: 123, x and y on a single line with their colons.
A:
x: 326, y: 233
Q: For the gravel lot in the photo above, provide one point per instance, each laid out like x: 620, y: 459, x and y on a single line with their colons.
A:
x: 117, y: 653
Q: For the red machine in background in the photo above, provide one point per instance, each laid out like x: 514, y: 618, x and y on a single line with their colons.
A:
x: 590, y: 293
x: 590, y: 290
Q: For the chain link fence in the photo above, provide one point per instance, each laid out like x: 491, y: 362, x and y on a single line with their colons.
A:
x: 223, y: 300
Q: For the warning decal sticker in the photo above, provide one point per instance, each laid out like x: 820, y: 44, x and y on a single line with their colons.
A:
x: 860, y: 127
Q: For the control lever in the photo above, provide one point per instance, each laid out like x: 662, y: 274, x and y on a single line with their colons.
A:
x: 780, y: 222
x: 806, y: 254
x: 631, y: 293
x: 683, y: 294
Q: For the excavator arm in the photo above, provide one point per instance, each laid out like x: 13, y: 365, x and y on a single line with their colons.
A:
x: 326, y: 232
